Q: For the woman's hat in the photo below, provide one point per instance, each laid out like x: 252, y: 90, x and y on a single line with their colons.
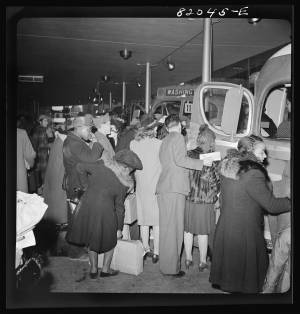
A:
x: 82, y: 121
x: 129, y: 158
x: 43, y: 116
x: 99, y: 120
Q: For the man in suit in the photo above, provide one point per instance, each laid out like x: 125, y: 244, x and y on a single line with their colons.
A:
x: 172, y: 187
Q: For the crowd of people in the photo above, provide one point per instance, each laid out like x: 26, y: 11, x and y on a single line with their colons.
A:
x: 85, y: 174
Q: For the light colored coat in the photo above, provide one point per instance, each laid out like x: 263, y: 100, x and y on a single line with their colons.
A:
x: 25, y: 152
x: 147, y: 208
x: 174, y: 177
x: 105, y: 143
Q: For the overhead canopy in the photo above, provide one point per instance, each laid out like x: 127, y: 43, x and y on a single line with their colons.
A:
x: 74, y: 53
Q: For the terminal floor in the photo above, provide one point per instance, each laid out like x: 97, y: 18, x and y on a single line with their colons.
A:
x: 71, y: 275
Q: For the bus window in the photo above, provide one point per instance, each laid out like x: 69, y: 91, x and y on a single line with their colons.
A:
x: 213, y: 105
x: 275, y: 120
x: 173, y: 107
x: 187, y: 109
x: 165, y: 112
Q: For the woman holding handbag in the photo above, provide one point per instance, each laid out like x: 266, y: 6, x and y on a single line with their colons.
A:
x: 99, y: 216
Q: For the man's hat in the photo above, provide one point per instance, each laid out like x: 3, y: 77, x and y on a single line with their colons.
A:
x: 129, y: 158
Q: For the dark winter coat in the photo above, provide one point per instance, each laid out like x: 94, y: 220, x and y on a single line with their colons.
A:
x: 101, y: 212
x: 205, y: 183
x: 125, y: 138
x: 75, y: 150
x: 240, y: 259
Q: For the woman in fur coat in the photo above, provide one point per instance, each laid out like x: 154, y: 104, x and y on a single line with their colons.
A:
x: 99, y: 217
x: 199, y: 214
x: 240, y: 259
x: 41, y: 144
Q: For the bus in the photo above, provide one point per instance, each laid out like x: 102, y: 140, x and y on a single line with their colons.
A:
x: 232, y: 111
x: 176, y: 99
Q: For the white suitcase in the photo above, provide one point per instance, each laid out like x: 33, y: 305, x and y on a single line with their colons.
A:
x: 127, y: 258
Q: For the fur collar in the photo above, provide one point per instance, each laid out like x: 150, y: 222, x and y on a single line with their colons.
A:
x: 234, y: 165
x: 124, y: 178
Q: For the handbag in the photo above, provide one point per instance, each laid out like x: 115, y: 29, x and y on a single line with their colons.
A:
x: 130, y: 209
x: 74, y: 206
x: 29, y: 273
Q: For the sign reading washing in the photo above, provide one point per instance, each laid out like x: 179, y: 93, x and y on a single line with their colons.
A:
x: 179, y: 92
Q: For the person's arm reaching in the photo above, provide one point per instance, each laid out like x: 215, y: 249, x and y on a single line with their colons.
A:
x: 120, y: 208
x: 259, y: 191
x: 180, y: 155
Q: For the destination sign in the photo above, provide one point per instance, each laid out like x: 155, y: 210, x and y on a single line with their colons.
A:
x: 179, y: 92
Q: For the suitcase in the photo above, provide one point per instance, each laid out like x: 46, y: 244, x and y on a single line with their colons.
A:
x: 127, y: 258
x: 130, y: 209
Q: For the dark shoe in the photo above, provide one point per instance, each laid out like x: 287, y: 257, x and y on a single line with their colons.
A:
x: 148, y: 254
x: 188, y: 263
x: 202, y: 266
x: 93, y: 275
x: 111, y: 272
x: 178, y: 275
x: 155, y: 258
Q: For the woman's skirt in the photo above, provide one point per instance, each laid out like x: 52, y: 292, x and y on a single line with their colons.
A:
x: 199, y: 218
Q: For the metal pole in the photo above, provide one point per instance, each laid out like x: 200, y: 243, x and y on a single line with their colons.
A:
x: 110, y: 101
x: 148, y: 87
x: 123, y: 95
x: 99, y: 103
x: 206, y: 61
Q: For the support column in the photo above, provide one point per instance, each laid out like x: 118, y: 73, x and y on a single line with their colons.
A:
x: 206, y: 67
x: 207, y: 43
x: 123, y: 95
x: 148, y: 87
x: 110, y: 101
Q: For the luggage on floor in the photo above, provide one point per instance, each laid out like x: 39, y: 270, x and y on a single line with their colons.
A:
x: 130, y: 209
x: 127, y: 258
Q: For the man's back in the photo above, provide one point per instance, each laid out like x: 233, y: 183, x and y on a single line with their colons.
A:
x: 174, y: 176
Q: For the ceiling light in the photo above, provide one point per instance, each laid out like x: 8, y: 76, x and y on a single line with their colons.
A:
x: 125, y: 54
x: 254, y: 21
x: 171, y: 65
x: 105, y: 78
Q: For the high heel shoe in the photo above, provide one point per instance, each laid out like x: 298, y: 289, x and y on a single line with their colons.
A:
x: 111, y: 272
x: 188, y: 263
x: 93, y: 275
x: 148, y: 254
x: 155, y: 258
x: 202, y: 266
